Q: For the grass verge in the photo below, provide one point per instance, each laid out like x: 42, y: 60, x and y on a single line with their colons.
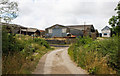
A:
x: 97, y: 57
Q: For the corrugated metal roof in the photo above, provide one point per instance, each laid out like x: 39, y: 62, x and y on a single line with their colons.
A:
x: 29, y: 30
x: 56, y: 25
x: 79, y: 25
x: 73, y: 26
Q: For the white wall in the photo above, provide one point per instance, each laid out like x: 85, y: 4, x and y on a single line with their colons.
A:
x: 106, y: 31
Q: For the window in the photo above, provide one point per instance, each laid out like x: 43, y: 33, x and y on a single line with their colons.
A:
x: 64, y: 30
x: 105, y: 33
x: 50, y: 30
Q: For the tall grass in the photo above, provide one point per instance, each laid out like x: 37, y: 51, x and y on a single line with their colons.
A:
x: 97, y: 57
x: 21, y: 53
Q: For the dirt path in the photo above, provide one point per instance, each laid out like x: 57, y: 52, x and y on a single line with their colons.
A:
x: 57, y: 62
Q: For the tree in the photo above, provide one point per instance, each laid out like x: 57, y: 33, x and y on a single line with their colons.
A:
x: 8, y: 10
x: 115, y: 20
x: 115, y: 23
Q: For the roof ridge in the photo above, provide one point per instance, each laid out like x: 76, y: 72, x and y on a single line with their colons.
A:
x: 81, y: 25
x: 105, y: 28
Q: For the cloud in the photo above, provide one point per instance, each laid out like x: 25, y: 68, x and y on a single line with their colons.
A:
x: 44, y: 13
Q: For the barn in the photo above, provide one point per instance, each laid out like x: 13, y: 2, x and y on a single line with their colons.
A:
x: 62, y: 31
x: 87, y: 30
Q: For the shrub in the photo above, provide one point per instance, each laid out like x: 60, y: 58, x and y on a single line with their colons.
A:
x: 19, y: 52
x: 9, y: 42
x: 42, y: 42
x: 97, y: 57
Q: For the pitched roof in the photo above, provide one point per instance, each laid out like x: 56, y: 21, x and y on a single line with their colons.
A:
x: 41, y: 30
x: 56, y: 26
x: 12, y: 25
x: 71, y: 26
x: 106, y: 28
x: 81, y: 27
x: 29, y: 29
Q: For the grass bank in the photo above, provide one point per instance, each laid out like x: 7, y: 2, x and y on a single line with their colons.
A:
x: 21, y: 53
x: 97, y: 57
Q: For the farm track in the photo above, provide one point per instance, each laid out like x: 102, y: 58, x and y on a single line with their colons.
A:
x: 58, y: 62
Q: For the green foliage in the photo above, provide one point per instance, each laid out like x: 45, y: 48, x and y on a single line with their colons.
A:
x: 42, y: 42
x: 9, y: 43
x: 22, y: 51
x: 8, y: 10
x: 106, y: 48
x: 83, y: 41
x: 98, y: 57
x: 115, y: 20
x: 92, y: 70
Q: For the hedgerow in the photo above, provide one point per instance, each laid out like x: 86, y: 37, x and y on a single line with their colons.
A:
x: 97, y: 57
x: 21, y: 53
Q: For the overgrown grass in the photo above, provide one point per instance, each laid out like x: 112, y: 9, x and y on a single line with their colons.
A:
x: 97, y: 57
x: 21, y: 53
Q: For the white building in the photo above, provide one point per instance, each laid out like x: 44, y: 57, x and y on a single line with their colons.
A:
x: 106, y: 32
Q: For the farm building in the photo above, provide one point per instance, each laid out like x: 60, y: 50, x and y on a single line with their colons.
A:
x: 12, y: 28
x: 62, y: 31
x: 42, y: 33
x: 74, y: 30
x: 18, y: 29
x: 106, y: 32
x: 87, y: 30
x: 32, y: 31
x: 29, y: 31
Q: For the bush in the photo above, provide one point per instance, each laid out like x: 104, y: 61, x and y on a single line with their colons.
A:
x: 97, y: 57
x: 9, y: 42
x: 42, y: 42
x: 19, y: 52
x: 82, y: 41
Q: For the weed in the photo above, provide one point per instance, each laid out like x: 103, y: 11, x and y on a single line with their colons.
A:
x: 97, y: 57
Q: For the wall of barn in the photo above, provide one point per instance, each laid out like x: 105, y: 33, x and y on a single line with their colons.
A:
x: 76, y: 32
x: 56, y: 32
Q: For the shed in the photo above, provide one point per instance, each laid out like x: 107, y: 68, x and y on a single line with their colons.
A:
x: 28, y: 31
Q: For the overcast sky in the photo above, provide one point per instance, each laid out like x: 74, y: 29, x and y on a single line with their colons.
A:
x: 45, y: 13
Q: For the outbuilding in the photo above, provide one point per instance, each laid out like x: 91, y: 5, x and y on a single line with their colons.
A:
x: 106, y: 32
x: 32, y: 31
